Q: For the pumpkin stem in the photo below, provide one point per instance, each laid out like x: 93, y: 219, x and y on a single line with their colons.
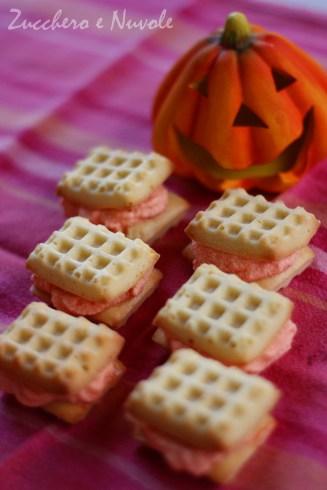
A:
x: 237, y: 32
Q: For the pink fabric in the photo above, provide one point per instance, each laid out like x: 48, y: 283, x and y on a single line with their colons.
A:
x: 61, y: 93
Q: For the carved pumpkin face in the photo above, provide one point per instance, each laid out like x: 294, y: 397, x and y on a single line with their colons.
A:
x: 243, y: 108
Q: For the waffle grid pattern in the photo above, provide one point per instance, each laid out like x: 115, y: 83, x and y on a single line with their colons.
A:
x: 114, y: 178
x: 223, y: 316
x: 202, y: 402
x: 90, y: 260
x: 56, y: 348
x: 252, y: 226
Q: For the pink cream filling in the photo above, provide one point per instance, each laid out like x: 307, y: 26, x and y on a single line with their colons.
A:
x: 104, y: 380
x: 76, y: 305
x: 120, y: 219
x: 278, y: 347
x: 198, y: 462
x: 247, y: 269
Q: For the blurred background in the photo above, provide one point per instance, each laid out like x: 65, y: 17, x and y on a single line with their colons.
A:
x: 64, y: 91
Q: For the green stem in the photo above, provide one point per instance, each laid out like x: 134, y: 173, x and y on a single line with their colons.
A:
x: 237, y: 32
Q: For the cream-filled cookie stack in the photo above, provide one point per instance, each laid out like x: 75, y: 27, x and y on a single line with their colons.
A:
x: 203, y: 417
x: 228, y: 319
x: 85, y: 269
x: 260, y: 241
x: 57, y: 362
x: 123, y: 191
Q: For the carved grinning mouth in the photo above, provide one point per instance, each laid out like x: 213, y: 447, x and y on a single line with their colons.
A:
x: 245, y: 117
x: 200, y: 157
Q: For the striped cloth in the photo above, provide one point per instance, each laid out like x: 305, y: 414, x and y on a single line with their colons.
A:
x: 62, y: 92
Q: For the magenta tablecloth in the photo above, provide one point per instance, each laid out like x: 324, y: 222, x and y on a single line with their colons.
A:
x: 62, y: 92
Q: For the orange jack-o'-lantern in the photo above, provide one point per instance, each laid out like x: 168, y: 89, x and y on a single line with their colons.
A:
x: 243, y: 107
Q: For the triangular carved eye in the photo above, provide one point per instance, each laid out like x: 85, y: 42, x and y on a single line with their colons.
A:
x: 282, y: 79
x: 246, y: 117
x: 201, y: 86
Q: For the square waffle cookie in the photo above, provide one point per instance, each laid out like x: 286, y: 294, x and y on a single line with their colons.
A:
x: 109, y: 178
x: 202, y: 404
x: 50, y: 352
x: 252, y: 227
x: 199, y: 401
x: 223, y: 317
x: 90, y: 261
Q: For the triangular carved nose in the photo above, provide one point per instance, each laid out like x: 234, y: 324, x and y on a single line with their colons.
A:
x: 201, y: 86
x: 246, y: 117
x: 282, y: 79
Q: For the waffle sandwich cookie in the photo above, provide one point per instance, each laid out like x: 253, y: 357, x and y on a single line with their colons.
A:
x: 260, y: 241
x: 58, y: 362
x: 123, y: 191
x: 85, y: 269
x: 228, y: 319
x: 203, y: 417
